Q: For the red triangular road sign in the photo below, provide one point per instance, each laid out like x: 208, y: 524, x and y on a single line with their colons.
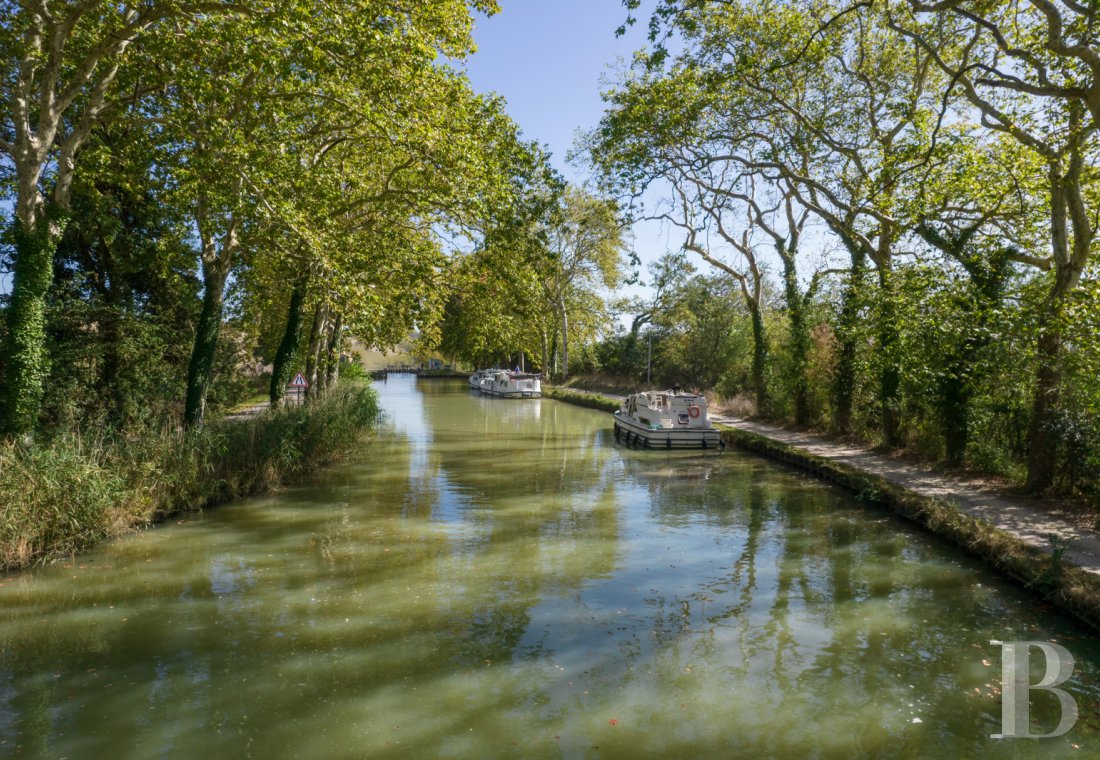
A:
x: 299, y: 382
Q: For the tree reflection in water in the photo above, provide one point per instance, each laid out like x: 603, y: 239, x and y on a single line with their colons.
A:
x: 496, y: 578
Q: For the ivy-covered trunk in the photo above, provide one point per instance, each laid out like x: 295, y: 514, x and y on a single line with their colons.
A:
x: 847, y: 334
x: 759, y: 357
x: 201, y: 365
x: 25, y: 348
x: 890, y: 372
x: 799, y: 342
x: 988, y: 275
x: 1042, y: 440
x: 335, y: 345
x: 283, y: 364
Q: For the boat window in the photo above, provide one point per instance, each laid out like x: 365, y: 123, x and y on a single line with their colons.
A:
x: 683, y: 418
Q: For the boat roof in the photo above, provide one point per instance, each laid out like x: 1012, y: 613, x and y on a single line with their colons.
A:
x: 670, y: 392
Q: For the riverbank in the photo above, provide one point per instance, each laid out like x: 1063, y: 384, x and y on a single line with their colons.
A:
x: 65, y: 496
x: 1025, y: 540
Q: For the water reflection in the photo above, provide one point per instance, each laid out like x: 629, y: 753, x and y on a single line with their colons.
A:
x: 496, y: 578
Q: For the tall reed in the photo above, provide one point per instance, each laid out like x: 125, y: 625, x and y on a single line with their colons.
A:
x: 64, y: 496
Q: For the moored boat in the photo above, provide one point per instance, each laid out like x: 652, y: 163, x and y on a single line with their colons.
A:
x: 478, y: 377
x: 666, y: 420
x: 507, y: 384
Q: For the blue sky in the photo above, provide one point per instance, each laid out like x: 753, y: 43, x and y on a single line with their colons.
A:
x: 550, y: 59
x: 546, y: 57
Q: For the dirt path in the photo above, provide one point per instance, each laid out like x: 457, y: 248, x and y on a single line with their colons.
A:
x: 259, y: 407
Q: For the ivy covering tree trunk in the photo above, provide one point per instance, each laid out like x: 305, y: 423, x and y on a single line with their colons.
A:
x: 759, y: 357
x: 283, y: 364
x: 1042, y: 439
x: 847, y: 335
x: 201, y: 366
x: 25, y: 349
x: 799, y: 341
x: 890, y: 372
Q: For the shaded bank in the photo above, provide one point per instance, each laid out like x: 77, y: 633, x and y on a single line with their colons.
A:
x: 65, y: 496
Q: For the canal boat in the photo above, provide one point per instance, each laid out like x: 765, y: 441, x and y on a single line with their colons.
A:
x: 507, y: 384
x: 668, y: 419
x: 477, y: 378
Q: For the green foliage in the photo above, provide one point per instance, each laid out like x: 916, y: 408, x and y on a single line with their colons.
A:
x: 950, y: 152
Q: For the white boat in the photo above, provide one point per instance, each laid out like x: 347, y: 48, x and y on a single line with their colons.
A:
x: 478, y: 377
x: 666, y: 420
x: 508, y: 384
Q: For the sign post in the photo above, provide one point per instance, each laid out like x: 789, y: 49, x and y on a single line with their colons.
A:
x: 299, y: 384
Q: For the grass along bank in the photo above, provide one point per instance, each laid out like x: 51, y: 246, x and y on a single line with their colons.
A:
x: 65, y: 496
x: 581, y: 398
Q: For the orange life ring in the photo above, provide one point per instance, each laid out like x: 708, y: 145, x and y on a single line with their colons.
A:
x: 693, y: 411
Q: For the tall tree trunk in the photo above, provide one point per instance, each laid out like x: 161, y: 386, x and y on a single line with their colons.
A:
x: 283, y: 364
x: 27, y: 364
x: 545, y: 354
x: 564, y: 342
x: 759, y: 356
x: 847, y: 333
x: 1067, y: 205
x: 799, y: 341
x: 554, y: 356
x: 313, y: 353
x: 890, y: 373
x: 335, y: 345
x: 199, y: 369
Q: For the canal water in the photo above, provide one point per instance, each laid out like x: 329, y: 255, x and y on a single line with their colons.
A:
x: 496, y: 578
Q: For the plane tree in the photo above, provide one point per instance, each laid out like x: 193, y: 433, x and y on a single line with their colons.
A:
x: 1030, y: 70
x: 585, y: 242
